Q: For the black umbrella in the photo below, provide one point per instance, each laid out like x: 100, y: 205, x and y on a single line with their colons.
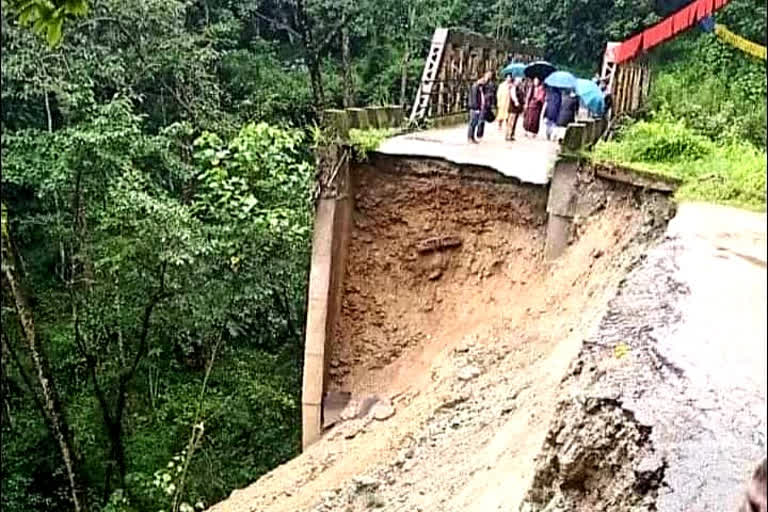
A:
x: 540, y: 69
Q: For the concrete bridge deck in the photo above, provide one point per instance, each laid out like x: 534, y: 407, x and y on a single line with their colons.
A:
x: 529, y: 160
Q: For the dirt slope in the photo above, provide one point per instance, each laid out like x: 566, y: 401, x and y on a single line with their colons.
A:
x: 469, y: 338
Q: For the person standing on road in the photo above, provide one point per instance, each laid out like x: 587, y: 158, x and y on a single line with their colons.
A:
x: 534, y: 101
x: 477, y: 108
x: 607, y: 99
x: 567, y: 114
x: 502, y: 101
x: 489, y: 90
x: 515, y: 107
x: 551, y: 110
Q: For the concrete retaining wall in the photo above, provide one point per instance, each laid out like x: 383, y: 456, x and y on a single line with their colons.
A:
x: 338, y: 122
x: 584, y: 134
x: 563, y: 199
x: 329, y: 249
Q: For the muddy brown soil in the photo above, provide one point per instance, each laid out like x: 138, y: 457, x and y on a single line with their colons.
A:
x: 451, y: 313
x: 426, y: 254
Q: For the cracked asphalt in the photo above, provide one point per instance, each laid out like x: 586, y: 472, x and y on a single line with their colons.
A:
x: 697, y: 307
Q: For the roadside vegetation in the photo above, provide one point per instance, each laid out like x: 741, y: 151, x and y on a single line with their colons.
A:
x: 705, y: 122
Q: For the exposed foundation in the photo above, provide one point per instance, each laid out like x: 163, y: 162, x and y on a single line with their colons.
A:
x: 410, y: 254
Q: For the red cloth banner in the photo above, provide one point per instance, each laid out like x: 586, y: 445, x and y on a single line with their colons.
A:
x: 705, y: 9
x: 657, y: 34
x: 673, y: 24
x: 629, y: 48
x: 684, y: 18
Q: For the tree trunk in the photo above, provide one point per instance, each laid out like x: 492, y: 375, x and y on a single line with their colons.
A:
x: 52, y: 408
x: 311, y: 55
x: 349, y: 79
x: 315, y: 81
x: 48, y: 113
x: 407, y: 56
x: 404, y: 74
x: 116, y: 460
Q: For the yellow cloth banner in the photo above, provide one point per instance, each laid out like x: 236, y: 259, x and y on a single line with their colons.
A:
x: 739, y: 42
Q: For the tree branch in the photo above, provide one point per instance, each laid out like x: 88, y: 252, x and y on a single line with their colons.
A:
x: 346, y: 17
x: 24, y: 377
x: 156, y: 298
x: 279, y: 24
x: 90, y: 361
x: 49, y: 395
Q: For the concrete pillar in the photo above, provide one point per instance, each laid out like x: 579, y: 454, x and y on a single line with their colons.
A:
x: 337, y: 123
x: 396, y: 115
x: 558, y: 233
x: 600, y: 126
x: 562, y: 195
x: 359, y: 117
x: 574, y: 136
x: 589, y: 131
x: 377, y: 116
x: 326, y: 276
x: 317, y: 319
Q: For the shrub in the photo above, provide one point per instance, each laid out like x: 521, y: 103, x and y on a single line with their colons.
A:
x: 365, y: 141
x: 664, y: 141
x: 731, y: 172
x: 712, y: 88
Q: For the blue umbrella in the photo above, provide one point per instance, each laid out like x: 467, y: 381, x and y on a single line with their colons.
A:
x: 561, y: 80
x: 591, y: 96
x: 515, y: 69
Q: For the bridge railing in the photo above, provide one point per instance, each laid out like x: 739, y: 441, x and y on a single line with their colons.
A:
x: 631, y: 83
x: 338, y: 122
x: 457, y: 58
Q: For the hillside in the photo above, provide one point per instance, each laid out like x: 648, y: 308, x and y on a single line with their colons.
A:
x: 159, y: 188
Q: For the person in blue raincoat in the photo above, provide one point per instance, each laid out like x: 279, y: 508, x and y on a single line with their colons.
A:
x: 551, y: 110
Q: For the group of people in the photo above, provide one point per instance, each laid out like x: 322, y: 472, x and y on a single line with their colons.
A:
x: 518, y: 96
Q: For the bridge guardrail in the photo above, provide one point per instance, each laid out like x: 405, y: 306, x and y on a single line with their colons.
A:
x: 338, y: 122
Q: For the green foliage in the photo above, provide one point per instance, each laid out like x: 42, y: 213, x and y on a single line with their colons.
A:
x: 47, y: 16
x: 667, y: 141
x: 234, y: 240
x: 260, y: 173
x: 164, y: 144
x: 731, y: 173
x: 263, y: 87
x: 706, y: 121
x: 572, y: 32
x: 746, y: 18
x: 365, y: 141
x: 722, y: 96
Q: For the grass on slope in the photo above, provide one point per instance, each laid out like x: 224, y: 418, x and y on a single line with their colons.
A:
x: 707, y: 122
x: 726, y: 172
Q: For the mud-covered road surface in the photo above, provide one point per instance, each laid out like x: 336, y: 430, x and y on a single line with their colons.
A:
x: 665, y: 408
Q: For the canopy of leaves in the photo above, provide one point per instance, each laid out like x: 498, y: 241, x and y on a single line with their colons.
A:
x: 156, y: 164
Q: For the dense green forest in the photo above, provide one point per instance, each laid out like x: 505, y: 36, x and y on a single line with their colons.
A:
x: 157, y: 193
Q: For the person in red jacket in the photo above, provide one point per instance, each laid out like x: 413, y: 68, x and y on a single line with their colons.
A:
x: 534, y: 102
